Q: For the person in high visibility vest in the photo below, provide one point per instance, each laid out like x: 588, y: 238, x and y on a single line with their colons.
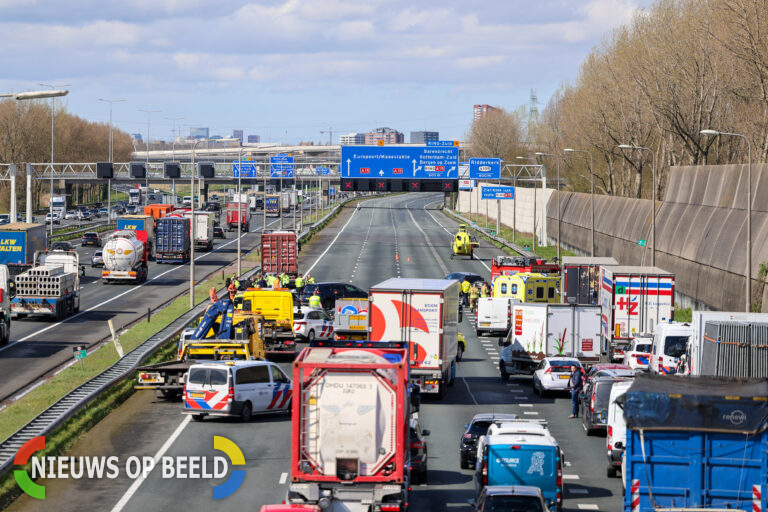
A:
x: 314, y: 299
x: 298, y: 283
x: 310, y: 279
x: 232, y: 289
x: 284, y: 280
x: 485, y: 291
x: 465, y: 286
x: 474, y: 293
x: 212, y: 294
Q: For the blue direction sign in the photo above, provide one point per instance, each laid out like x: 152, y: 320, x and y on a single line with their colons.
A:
x: 498, y: 192
x: 484, y: 168
x: 248, y: 169
x: 405, y: 162
x: 331, y: 191
x: 442, y: 143
x: 282, y: 166
x: 323, y: 171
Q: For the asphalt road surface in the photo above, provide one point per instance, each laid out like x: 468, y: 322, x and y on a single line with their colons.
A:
x: 394, y: 236
x: 38, y: 344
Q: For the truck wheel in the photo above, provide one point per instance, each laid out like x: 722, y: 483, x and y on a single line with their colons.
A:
x: 246, y: 413
x: 453, y: 374
x: 503, y: 371
x: 198, y: 417
x: 610, y: 472
x: 460, y: 352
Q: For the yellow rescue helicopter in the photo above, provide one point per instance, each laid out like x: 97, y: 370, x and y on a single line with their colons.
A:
x: 463, y: 245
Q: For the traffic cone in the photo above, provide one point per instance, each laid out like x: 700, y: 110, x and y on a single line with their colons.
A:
x: 409, y: 258
x: 397, y: 257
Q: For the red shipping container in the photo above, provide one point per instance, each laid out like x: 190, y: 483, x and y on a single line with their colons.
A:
x: 279, y: 253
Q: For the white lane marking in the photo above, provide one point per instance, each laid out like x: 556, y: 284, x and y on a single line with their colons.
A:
x: 283, y: 478
x: 533, y: 413
x: 567, y: 463
x: 451, y: 235
x: 429, y: 244
x: 131, y: 290
x: 525, y: 405
x: 333, y: 241
x: 137, y: 483
x: 570, y: 477
x: 587, y: 506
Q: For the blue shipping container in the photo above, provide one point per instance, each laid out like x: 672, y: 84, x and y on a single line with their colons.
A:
x: 20, y: 241
x: 172, y: 240
x: 696, y: 443
x: 132, y: 224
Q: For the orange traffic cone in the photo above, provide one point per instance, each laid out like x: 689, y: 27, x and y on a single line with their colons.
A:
x: 397, y: 257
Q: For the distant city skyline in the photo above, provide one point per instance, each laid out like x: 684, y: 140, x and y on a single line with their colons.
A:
x: 276, y: 69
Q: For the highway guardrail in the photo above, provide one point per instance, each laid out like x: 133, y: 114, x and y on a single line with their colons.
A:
x: 506, y: 243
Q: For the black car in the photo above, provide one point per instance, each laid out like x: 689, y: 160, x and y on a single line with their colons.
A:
x: 91, y: 238
x: 218, y: 233
x: 61, y: 246
x: 210, y: 206
x: 329, y: 292
x: 460, y: 276
x: 418, y: 453
x: 98, y: 205
x: 597, y: 394
x: 95, y: 213
x: 511, y: 497
x: 474, y: 429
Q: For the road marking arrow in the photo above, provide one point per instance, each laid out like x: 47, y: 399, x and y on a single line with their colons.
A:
x: 348, y: 162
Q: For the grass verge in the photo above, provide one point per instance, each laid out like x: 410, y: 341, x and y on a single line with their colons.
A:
x: 75, y: 236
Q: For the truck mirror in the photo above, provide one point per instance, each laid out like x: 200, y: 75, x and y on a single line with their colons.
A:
x: 425, y: 433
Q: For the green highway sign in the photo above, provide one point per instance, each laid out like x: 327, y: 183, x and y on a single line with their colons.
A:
x: 80, y: 352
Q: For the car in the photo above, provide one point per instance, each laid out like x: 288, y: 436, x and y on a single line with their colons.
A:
x: 98, y: 204
x: 94, y: 213
x: 310, y: 324
x: 61, y: 246
x: 616, y: 438
x: 70, y: 215
x: 511, y: 497
x: 51, y: 217
x: 210, y: 206
x: 553, y: 374
x: 597, y: 368
x: 473, y: 430
x: 460, y: 276
x: 330, y: 291
x: 219, y: 233
x: 596, y: 396
x: 638, y: 357
x: 235, y: 388
x: 104, y: 211
x: 97, y: 260
x: 84, y: 215
x: 131, y: 208
x: 418, y: 452
x: 91, y: 238
x: 5, y: 218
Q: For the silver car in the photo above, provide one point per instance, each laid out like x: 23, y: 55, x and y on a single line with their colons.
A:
x: 553, y: 374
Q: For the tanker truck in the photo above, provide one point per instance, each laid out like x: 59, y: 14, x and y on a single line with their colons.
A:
x: 125, y: 257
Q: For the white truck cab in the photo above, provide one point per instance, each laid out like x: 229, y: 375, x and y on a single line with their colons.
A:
x: 670, y: 341
x: 5, y: 307
x: 616, y: 438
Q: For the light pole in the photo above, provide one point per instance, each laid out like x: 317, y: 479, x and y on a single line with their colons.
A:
x: 558, y: 157
x: 111, y: 157
x: 748, y: 273
x: 146, y: 181
x: 534, y: 199
x: 653, y: 195
x: 192, y: 244
x: 239, y: 206
x: 591, y: 193
x: 53, y: 115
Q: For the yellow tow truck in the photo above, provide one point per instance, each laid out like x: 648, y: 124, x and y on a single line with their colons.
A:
x: 275, y: 308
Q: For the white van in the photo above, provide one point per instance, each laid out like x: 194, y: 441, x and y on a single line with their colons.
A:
x: 670, y: 341
x: 494, y: 316
x: 236, y: 388
x: 616, y: 439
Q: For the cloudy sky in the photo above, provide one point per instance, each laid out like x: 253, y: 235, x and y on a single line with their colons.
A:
x: 287, y: 69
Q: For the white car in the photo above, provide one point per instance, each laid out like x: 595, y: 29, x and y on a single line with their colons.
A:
x: 54, y: 217
x: 310, y: 324
x: 553, y: 374
x: 639, y: 354
x: 70, y: 215
x: 616, y: 439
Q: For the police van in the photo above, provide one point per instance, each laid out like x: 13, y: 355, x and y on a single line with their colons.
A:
x: 236, y: 388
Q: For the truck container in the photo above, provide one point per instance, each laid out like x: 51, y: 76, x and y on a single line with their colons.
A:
x: 350, y: 427
x: 272, y: 207
x: 232, y: 210
x: 125, y: 257
x: 581, y: 279
x: 274, y: 308
x: 203, y: 229
x: 172, y: 239
x: 424, y: 313
x: 695, y: 444
x: 158, y: 211
x: 527, y: 287
x: 634, y: 301
x: 494, y: 316
x: 735, y: 349
x: 5, y: 306
x: 134, y: 196
x: 51, y: 287
x: 350, y: 322
x: 547, y: 330
x: 287, y: 200
x: 279, y: 253
x: 19, y: 241
x: 511, y: 265
x: 140, y: 222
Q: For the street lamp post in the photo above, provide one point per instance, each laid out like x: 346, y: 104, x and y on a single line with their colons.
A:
x: 591, y: 193
x: 53, y: 116
x: 534, y: 200
x: 192, y: 244
x: 653, y: 196
x: 173, y: 150
x: 748, y: 273
x: 146, y: 180
x: 111, y: 157
x: 559, y: 258
x: 239, y: 206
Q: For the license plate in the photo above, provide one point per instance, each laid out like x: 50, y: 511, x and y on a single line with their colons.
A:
x: 565, y: 376
x: 485, y: 324
x: 148, y: 379
x: 197, y: 395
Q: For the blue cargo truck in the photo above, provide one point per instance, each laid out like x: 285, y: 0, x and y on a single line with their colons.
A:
x: 695, y: 444
x: 172, y: 240
x: 20, y: 241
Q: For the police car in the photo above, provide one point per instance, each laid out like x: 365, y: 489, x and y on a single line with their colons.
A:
x: 236, y: 388
x: 310, y: 324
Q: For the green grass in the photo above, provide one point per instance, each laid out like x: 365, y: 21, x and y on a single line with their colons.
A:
x: 74, y: 236
x: 683, y: 314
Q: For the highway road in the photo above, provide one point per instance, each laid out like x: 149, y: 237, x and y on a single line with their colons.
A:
x: 386, y: 237
x: 38, y: 345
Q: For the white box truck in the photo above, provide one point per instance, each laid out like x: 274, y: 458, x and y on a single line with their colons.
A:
x: 634, y: 301
x: 424, y: 313
x: 547, y: 330
x: 203, y: 229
